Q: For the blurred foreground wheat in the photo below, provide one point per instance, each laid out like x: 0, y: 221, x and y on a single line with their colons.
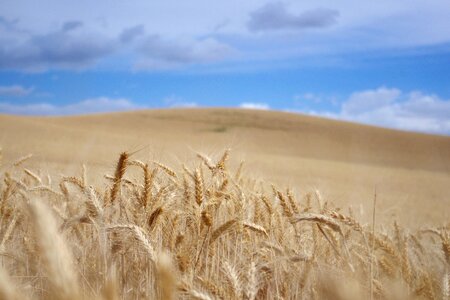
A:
x: 202, y: 233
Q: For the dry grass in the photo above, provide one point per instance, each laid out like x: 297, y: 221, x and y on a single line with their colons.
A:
x: 343, y: 161
x: 201, y: 234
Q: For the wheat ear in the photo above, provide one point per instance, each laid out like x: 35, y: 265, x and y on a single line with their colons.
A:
x: 118, y: 175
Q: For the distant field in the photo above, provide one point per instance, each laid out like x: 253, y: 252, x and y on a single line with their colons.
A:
x: 345, y: 162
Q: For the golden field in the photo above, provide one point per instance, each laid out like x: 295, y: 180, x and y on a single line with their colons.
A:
x: 344, y: 161
x: 153, y: 205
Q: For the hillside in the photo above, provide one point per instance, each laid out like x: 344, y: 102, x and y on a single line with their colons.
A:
x: 345, y: 161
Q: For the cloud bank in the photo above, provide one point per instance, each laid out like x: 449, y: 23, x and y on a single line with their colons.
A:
x: 88, y: 106
x: 75, y: 46
x: 393, y: 108
x: 149, y: 35
x: 69, y: 47
x: 159, y: 53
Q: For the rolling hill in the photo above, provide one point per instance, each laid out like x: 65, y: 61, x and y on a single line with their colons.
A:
x: 346, y: 162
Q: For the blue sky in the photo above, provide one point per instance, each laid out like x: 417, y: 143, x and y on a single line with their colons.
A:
x: 383, y: 63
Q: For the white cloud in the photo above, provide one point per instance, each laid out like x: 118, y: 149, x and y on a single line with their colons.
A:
x: 174, y: 101
x: 184, y: 105
x: 61, y: 48
x: 254, y: 105
x: 76, y: 45
x: 393, y: 108
x: 369, y: 100
x: 93, y: 105
x: 275, y: 16
x: 15, y: 90
x: 158, y: 53
x: 308, y: 97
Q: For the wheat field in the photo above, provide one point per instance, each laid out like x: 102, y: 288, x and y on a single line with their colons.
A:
x: 346, y: 162
x: 213, y: 227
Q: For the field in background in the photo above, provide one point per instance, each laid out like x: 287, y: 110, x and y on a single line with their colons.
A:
x: 345, y: 162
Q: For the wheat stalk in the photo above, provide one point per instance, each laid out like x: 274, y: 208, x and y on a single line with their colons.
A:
x: 318, y: 218
x: 166, y: 169
x: 22, y: 160
x: 199, y: 187
x: 118, y: 175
